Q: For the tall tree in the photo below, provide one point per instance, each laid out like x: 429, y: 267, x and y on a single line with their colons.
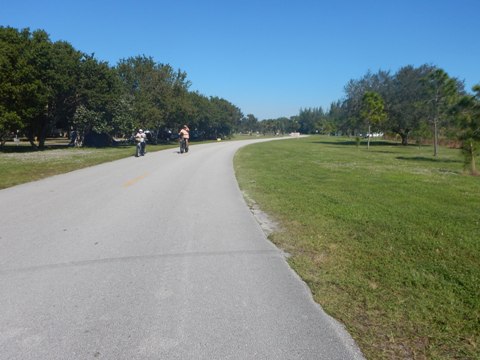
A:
x: 355, y: 90
x: 159, y: 93
x: 65, y: 77
x: 12, y: 64
x: 27, y: 84
x: 442, y: 92
x: 225, y: 117
x: 213, y: 117
x: 372, y: 111
x: 403, y: 98
x: 97, y: 96
x: 40, y: 56
x: 468, y: 115
x: 311, y: 120
x: 45, y: 85
x: 38, y: 82
x: 248, y: 124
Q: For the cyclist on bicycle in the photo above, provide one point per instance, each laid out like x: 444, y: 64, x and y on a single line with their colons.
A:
x: 184, y: 134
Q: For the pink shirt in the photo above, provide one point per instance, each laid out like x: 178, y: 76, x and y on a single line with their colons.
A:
x: 184, y: 134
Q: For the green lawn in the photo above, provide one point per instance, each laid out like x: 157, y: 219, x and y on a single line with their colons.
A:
x: 388, y: 239
x: 22, y: 164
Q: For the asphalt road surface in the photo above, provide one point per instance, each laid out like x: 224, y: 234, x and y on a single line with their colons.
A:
x: 156, y: 257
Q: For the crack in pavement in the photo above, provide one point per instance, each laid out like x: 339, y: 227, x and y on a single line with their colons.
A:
x: 82, y: 263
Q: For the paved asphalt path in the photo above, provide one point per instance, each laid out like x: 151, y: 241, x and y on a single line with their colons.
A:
x: 156, y: 257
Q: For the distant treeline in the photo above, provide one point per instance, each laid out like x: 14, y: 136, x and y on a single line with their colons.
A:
x: 415, y: 103
x: 50, y: 87
x: 46, y: 87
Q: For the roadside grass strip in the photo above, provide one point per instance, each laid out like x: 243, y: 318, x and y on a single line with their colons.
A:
x: 388, y: 239
x: 21, y: 165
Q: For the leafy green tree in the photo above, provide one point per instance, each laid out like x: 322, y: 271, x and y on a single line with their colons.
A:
x: 288, y: 125
x: 213, y: 117
x: 46, y: 86
x: 442, y: 92
x: 41, y: 72
x: 123, y: 120
x: 38, y: 83
x: 225, y: 117
x: 285, y: 125
x: 97, y: 97
x: 26, y: 85
x: 411, y: 97
x: 280, y: 125
x: 12, y: 45
x: 372, y: 111
x: 180, y: 109
x: 311, y: 120
x: 97, y: 85
x: 337, y: 117
x: 85, y: 121
x: 159, y: 93
x: 269, y: 126
x: 306, y: 120
x: 468, y: 115
x: 141, y: 81
x: 422, y: 132
x: 65, y: 77
x: 403, y: 98
x: 200, y: 117
x: 355, y: 90
x: 248, y: 124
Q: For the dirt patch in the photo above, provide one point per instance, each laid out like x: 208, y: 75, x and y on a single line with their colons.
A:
x: 266, y: 223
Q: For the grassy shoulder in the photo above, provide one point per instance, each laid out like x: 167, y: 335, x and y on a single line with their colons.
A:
x: 21, y: 164
x: 386, y: 238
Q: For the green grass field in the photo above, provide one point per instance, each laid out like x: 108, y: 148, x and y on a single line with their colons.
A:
x: 21, y: 164
x: 388, y: 239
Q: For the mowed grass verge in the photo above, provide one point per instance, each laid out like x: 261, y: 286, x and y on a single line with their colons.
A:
x: 388, y: 239
x: 21, y: 164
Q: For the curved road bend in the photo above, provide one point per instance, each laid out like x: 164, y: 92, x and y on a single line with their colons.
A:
x: 155, y: 257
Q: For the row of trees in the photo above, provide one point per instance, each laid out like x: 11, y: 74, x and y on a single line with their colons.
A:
x: 420, y: 101
x: 50, y: 86
x: 415, y: 102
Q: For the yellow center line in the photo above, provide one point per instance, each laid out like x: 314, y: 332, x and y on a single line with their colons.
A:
x: 135, y: 180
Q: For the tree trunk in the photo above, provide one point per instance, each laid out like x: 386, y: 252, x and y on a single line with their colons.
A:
x: 473, y: 167
x: 42, y: 136
x: 31, y: 138
x: 404, y: 137
x: 435, y: 137
x: 368, y: 140
x: 43, y: 130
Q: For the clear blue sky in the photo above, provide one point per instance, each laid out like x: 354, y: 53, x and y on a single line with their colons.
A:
x: 269, y: 58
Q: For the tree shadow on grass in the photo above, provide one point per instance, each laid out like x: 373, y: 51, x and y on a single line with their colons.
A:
x: 363, y: 143
x: 428, y: 159
x: 24, y: 148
